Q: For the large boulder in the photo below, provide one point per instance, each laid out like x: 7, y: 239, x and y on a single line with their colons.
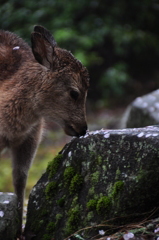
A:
x: 107, y: 177
x: 8, y: 216
x: 143, y: 111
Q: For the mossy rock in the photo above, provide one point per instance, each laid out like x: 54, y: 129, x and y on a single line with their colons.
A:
x: 8, y: 216
x: 107, y: 174
x: 143, y: 111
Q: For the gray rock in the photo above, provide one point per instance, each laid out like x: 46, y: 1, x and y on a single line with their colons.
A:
x: 107, y: 177
x: 8, y: 216
x: 143, y: 111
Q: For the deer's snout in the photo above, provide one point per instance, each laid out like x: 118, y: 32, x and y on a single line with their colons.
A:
x: 72, y: 131
x: 83, y: 131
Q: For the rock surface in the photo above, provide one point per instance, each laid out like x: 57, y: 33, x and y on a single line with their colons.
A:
x: 107, y: 174
x: 8, y: 216
x: 143, y: 111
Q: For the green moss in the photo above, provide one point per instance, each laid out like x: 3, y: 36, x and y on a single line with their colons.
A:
x: 73, y: 222
x: 46, y: 237
x: 103, y: 205
x: 61, y: 202
x: 41, y: 222
x: 37, y: 220
x: 76, y: 184
x: 117, y: 188
x: 75, y: 201
x: 100, y: 194
x: 95, y: 177
x: 149, y: 177
x: 69, y: 173
x: 90, y: 215
x: 58, y: 217
x: 50, y: 230
x: 118, y: 173
x: 50, y: 190
x: 91, y: 204
x: 74, y: 218
x: 142, y: 174
x: 91, y: 147
x: 50, y: 227
x: 104, y: 167
x: 99, y: 160
x: 54, y: 165
x: 91, y: 191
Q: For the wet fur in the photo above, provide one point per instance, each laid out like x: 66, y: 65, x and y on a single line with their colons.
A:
x: 36, y: 84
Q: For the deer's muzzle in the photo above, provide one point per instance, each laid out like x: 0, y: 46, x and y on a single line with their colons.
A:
x: 71, y: 131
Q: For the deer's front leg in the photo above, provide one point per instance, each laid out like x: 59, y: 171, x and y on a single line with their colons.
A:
x: 22, y: 156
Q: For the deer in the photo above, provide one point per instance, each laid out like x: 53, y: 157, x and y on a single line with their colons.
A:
x: 37, y: 84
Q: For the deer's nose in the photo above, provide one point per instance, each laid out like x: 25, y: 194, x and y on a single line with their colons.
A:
x: 83, y: 131
x: 72, y: 131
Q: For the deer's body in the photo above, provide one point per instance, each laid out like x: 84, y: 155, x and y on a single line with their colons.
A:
x: 46, y: 82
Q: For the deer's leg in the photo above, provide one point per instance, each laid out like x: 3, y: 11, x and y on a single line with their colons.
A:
x: 22, y: 156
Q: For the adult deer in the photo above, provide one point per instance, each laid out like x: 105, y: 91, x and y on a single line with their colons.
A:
x: 46, y: 82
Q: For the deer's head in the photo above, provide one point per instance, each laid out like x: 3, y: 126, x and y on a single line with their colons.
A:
x: 66, y: 83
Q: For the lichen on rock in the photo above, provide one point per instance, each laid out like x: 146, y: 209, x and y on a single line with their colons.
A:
x: 107, y: 174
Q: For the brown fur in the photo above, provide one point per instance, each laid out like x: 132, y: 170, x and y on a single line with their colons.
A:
x: 45, y: 83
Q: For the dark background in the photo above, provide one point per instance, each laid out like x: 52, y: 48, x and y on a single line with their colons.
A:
x: 118, y: 41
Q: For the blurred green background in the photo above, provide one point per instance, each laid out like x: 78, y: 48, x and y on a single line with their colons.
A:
x: 118, y: 41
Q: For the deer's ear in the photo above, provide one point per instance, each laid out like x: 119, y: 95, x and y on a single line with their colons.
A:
x: 43, y: 45
x: 46, y: 34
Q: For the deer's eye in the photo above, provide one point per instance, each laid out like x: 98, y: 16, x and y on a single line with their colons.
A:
x: 74, y: 94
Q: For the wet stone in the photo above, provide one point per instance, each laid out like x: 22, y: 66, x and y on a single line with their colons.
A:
x: 107, y: 174
x: 143, y: 111
x: 8, y: 216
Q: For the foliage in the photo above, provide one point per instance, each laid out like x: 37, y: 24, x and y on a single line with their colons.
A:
x: 116, y: 40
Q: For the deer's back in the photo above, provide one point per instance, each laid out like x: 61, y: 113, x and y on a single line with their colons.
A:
x: 13, y: 53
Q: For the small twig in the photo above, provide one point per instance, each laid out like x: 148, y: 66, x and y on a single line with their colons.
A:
x: 123, y: 228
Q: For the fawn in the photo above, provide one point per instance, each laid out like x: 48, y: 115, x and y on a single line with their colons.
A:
x: 45, y: 82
